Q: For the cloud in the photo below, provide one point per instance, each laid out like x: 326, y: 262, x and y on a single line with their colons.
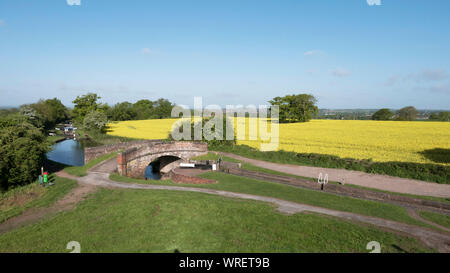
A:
x: 392, y: 80
x: 146, y: 50
x: 340, y: 72
x: 73, y: 2
x: 2, y: 23
x: 312, y: 52
x: 429, y: 75
x: 440, y: 88
x: 374, y: 2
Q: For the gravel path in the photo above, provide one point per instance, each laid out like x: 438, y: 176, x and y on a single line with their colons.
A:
x: 375, y: 181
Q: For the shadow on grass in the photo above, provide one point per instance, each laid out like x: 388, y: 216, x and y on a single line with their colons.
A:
x: 438, y: 155
x: 53, y: 166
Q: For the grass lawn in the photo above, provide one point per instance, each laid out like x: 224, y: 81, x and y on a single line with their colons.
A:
x: 440, y: 219
x: 123, y: 220
x: 234, y: 183
x: 14, y: 202
x: 81, y: 171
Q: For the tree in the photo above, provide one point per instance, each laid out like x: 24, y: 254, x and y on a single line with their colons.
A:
x: 144, y: 109
x: 22, y: 148
x: 58, y: 112
x: 32, y: 116
x: 50, y: 112
x: 95, y: 121
x: 383, y: 114
x: 162, y: 108
x: 85, y: 104
x: 122, y: 111
x: 296, y: 108
x: 407, y: 113
x: 442, y: 116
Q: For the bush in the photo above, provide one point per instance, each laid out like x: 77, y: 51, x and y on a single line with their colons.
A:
x: 95, y: 121
x: 22, y: 152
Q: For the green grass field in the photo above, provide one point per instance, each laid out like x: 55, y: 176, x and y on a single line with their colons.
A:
x: 163, y: 221
x: 234, y: 183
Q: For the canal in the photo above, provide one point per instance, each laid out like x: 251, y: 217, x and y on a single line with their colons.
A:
x: 69, y: 152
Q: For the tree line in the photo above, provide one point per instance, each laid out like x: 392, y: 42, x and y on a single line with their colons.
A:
x: 408, y: 113
x: 95, y: 115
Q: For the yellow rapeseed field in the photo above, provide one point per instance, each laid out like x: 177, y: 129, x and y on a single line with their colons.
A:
x: 378, y: 140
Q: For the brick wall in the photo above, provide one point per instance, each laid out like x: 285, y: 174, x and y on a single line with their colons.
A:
x: 185, y: 179
x: 94, y: 152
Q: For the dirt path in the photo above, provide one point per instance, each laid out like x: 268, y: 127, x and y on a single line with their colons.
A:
x: 67, y: 202
x: 375, y: 181
x: 434, y: 239
x: 413, y: 213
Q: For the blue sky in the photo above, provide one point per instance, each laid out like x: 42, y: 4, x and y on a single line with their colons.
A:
x: 347, y: 53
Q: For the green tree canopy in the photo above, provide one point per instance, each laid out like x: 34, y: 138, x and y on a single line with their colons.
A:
x: 144, y: 109
x: 407, y: 113
x: 441, y: 116
x: 122, y: 111
x: 296, y: 108
x: 162, y: 108
x: 85, y: 104
x: 45, y: 113
x: 95, y: 121
x: 383, y: 114
x: 23, y: 148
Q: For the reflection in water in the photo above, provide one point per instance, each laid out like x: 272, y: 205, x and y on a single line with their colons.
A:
x: 152, y: 173
x: 69, y: 152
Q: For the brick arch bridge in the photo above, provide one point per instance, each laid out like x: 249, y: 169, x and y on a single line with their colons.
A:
x: 169, y: 155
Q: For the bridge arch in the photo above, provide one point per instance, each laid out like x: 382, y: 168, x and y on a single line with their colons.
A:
x: 134, y: 161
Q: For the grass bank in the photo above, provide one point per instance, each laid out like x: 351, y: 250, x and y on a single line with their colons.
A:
x: 16, y: 201
x: 136, y: 221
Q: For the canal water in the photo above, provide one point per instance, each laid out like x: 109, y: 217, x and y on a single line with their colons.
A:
x: 69, y: 152
x: 152, y: 174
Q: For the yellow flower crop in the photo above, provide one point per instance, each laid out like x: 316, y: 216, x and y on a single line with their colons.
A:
x: 379, y: 140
